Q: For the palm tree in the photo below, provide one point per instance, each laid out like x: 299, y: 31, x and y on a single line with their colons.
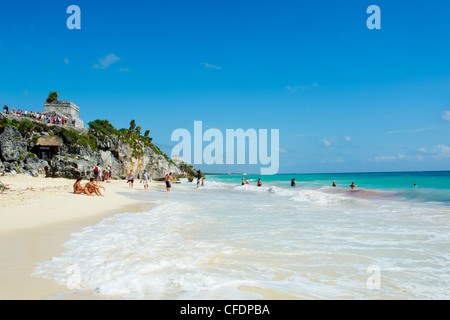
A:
x: 138, y: 130
x: 132, y: 125
x: 52, y: 96
x: 146, y: 133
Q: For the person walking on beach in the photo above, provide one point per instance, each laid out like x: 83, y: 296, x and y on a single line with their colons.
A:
x: 130, y: 179
x: 203, y: 182
x: 243, y: 181
x: 293, y: 183
x: 109, y: 173
x: 97, y: 171
x: 145, y: 179
x: 198, y: 183
x: 168, y: 180
x: 246, y: 181
x: 259, y: 184
x: 353, y: 185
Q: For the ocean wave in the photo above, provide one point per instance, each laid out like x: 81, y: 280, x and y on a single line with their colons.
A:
x: 209, y: 184
x: 310, y: 196
x: 139, y: 255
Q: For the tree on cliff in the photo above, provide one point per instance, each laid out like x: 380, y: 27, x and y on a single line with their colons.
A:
x: 132, y: 125
x: 52, y: 96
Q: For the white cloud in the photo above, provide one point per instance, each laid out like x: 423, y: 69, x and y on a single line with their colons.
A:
x: 106, y: 61
x: 438, y: 153
x: 348, y: 138
x: 443, y: 151
x: 422, y: 129
x: 326, y: 142
x: 412, y: 130
x: 124, y: 70
x: 206, y: 65
x: 446, y: 115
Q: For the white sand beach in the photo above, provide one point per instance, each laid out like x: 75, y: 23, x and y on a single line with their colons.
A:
x: 37, y: 215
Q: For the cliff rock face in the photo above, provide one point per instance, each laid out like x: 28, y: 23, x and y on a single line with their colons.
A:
x: 18, y: 155
x: 118, y: 155
x: 12, y: 145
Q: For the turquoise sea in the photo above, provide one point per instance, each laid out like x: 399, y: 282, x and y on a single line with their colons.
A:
x: 430, y: 185
x: 383, y: 240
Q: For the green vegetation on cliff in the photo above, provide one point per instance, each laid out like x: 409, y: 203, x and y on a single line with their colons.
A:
x: 22, y: 126
x: 131, y: 136
x: 72, y: 138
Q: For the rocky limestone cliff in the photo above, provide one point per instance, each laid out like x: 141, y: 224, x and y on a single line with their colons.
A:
x: 18, y: 153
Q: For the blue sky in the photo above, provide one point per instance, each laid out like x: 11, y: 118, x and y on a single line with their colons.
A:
x: 345, y: 98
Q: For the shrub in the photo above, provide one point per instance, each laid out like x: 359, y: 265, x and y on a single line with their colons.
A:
x: 25, y: 126
x: 103, y: 126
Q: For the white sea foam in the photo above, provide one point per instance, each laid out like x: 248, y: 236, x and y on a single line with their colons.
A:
x: 141, y: 255
x: 309, y: 196
x: 215, y: 243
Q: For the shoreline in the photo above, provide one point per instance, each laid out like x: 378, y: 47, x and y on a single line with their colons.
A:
x: 37, y: 216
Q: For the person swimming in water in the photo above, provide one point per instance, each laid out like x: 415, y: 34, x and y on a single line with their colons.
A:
x: 243, y: 181
x: 353, y: 185
x: 259, y: 184
x: 293, y: 183
x: 334, y: 184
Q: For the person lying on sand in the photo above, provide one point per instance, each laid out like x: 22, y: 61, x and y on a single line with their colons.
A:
x: 94, y: 187
x: 79, y: 189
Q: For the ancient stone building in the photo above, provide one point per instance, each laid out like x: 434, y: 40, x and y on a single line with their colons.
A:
x: 65, y: 109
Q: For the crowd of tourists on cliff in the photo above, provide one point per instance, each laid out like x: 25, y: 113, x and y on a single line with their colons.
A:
x: 38, y: 116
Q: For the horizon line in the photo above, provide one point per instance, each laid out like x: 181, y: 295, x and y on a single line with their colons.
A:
x: 255, y: 174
